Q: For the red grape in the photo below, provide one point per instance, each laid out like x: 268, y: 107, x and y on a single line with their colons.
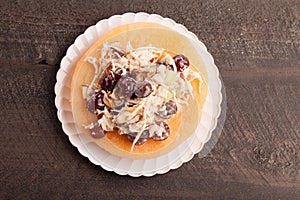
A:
x: 165, y: 133
x: 95, y: 103
x: 171, y: 109
x: 181, y: 62
x: 107, y: 83
x: 96, y: 130
x: 143, y: 89
x: 118, y: 73
x: 125, y: 87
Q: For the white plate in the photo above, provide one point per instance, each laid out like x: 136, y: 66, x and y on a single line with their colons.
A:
x: 124, y: 166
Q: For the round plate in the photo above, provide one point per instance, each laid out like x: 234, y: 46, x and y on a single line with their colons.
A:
x: 124, y: 166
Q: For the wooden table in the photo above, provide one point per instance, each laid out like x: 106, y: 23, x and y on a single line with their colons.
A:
x: 256, y: 45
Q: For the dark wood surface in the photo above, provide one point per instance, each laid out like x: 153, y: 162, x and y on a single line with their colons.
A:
x: 256, y: 45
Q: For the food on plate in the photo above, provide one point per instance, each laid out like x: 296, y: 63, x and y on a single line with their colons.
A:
x: 136, y: 102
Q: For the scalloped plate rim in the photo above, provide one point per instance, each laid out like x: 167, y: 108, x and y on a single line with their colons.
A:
x: 155, y: 19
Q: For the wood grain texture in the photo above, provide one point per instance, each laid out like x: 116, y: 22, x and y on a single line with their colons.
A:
x: 256, y: 45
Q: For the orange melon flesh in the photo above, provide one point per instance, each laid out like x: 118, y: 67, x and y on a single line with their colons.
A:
x: 182, y: 125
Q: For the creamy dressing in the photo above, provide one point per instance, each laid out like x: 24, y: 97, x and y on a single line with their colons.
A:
x: 146, y: 64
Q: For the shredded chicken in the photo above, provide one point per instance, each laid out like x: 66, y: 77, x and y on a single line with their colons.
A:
x: 149, y: 64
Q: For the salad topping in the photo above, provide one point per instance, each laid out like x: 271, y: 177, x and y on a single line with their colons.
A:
x: 135, y: 91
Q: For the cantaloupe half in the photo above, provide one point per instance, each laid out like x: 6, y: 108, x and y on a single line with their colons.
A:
x: 182, y: 125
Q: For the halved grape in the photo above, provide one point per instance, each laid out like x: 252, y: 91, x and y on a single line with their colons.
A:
x: 125, y: 87
x: 169, y: 111
x: 143, y: 89
x: 165, y: 133
x: 107, y: 84
x: 95, y: 103
x: 96, y: 130
x: 181, y: 62
x: 171, y: 107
